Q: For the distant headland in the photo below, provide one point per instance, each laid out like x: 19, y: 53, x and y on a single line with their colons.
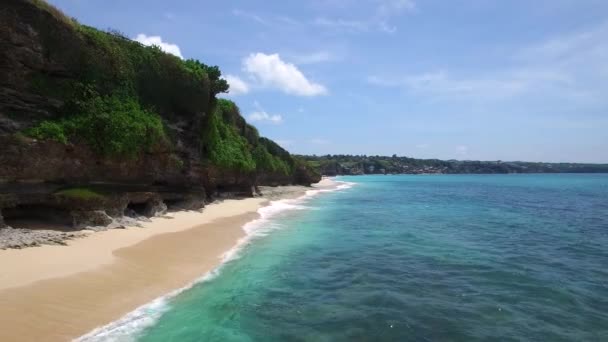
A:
x: 332, y: 165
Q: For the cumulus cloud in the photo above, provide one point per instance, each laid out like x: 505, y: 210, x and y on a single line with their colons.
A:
x: 272, y: 71
x: 237, y: 85
x: 262, y: 115
x: 158, y: 41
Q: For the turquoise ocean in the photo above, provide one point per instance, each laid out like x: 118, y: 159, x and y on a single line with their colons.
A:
x: 405, y: 258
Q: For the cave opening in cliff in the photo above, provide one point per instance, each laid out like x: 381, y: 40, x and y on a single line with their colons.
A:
x: 136, y: 209
x: 37, y: 216
x: 174, y: 204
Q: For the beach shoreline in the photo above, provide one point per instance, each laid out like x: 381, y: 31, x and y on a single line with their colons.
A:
x: 59, y: 293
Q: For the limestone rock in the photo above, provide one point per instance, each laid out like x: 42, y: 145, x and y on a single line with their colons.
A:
x: 92, y: 218
x: 155, y: 208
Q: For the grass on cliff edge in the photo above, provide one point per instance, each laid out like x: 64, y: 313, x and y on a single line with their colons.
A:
x: 80, y: 193
x: 54, y: 11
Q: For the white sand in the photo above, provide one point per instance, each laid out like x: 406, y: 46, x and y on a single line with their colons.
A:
x: 25, y: 266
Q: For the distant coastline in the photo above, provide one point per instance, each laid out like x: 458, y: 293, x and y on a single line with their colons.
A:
x: 333, y: 165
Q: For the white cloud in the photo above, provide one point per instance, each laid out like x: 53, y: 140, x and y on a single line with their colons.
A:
x: 264, y: 116
x: 388, y: 8
x: 158, y: 41
x: 382, y: 11
x: 272, y: 71
x: 249, y: 15
x: 441, y: 83
x: 315, y: 57
x: 564, y: 71
x: 342, y: 24
x: 590, y: 42
x: 267, y: 20
x: 261, y: 115
x: 378, y: 18
x: 237, y: 85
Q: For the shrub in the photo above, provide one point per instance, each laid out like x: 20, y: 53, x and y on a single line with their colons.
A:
x: 112, y: 126
x: 116, y: 126
x: 80, y: 193
x: 267, y: 162
x: 224, y: 146
x: 48, y: 130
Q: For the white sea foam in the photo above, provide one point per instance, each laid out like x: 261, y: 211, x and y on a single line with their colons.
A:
x: 128, y: 327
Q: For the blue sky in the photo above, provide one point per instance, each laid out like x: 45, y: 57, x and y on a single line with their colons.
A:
x: 475, y: 79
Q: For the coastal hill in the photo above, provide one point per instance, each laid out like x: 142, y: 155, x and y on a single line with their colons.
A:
x: 94, y: 125
x: 332, y: 165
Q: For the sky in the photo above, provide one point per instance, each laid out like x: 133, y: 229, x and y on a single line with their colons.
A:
x: 461, y: 79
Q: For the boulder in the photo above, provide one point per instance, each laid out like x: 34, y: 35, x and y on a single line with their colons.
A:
x: 155, y: 207
x: 92, y: 218
x: 190, y: 202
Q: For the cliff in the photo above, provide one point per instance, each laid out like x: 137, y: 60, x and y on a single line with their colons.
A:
x: 93, y: 124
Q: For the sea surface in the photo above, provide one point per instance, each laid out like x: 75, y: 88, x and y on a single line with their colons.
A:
x: 406, y: 258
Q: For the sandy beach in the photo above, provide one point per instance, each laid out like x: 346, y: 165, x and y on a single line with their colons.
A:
x: 58, y: 293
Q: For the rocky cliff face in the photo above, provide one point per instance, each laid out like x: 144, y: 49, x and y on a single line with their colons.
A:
x: 50, y: 65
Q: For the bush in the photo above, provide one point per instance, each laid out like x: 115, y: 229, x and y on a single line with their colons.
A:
x: 118, y: 127
x: 111, y: 126
x: 224, y: 146
x: 267, y: 162
x: 48, y: 130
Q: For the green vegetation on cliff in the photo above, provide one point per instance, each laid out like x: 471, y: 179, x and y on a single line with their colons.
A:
x: 222, y: 143
x: 230, y: 142
x: 124, y: 100
x: 80, y: 194
x: 111, y: 125
x: 119, y: 91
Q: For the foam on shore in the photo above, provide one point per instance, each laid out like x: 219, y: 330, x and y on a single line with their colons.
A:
x: 132, y: 324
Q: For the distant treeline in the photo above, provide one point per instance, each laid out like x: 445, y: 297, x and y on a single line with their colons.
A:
x: 361, y: 164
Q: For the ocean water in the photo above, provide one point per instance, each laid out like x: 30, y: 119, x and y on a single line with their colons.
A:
x: 407, y: 258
